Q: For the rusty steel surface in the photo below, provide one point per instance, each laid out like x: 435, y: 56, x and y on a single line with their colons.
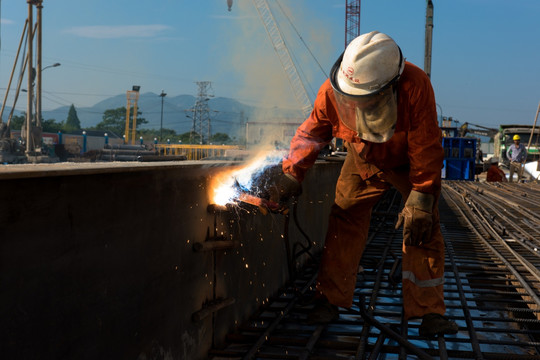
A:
x: 492, y: 289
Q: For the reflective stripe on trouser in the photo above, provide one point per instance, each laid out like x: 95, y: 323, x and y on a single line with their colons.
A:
x: 423, y: 266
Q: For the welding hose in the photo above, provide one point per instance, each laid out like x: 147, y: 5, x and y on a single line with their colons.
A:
x: 305, y: 249
x: 293, y: 255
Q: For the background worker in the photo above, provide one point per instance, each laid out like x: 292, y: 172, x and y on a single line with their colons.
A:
x: 384, y: 109
x: 495, y: 173
x: 516, y: 154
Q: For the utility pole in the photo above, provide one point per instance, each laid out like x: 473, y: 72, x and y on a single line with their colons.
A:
x: 39, y: 130
x: 429, y: 35
x: 33, y: 128
x: 30, y: 59
x: 161, y: 124
x: 201, y: 114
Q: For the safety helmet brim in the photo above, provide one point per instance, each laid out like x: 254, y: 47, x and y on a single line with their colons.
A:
x: 373, y: 115
x: 369, y: 63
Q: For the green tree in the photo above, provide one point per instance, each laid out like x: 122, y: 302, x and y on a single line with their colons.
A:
x: 47, y: 125
x: 72, y: 123
x: 52, y: 126
x: 149, y: 135
x: 114, y: 120
x: 185, y: 137
x: 17, y: 121
x: 220, y: 139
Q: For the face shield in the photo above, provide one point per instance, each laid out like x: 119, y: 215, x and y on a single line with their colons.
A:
x: 374, y: 115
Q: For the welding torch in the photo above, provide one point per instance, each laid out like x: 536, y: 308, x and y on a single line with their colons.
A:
x: 264, y: 205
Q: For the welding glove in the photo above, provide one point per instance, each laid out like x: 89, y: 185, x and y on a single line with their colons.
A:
x: 416, y: 218
x: 284, y: 187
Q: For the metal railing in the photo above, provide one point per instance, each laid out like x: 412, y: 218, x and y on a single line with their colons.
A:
x: 195, y: 152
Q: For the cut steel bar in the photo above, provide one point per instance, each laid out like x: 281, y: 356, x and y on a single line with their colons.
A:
x: 391, y: 333
x: 518, y: 276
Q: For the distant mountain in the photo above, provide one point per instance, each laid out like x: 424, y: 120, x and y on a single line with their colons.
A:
x: 227, y: 115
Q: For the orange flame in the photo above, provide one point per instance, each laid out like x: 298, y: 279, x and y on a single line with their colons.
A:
x: 222, y: 186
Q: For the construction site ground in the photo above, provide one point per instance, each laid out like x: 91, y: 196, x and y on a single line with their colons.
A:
x: 492, y: 289
x: 125, y: 260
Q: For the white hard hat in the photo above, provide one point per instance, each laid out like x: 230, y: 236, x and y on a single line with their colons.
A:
x: 369, y: 63
x: 363, y: 81
x: 494, y: 160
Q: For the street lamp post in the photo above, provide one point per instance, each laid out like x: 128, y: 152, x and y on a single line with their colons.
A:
x: 29, y: 100
x: 49, y: 66
x: 39, y: 91
x: 37, y: 100
x: 162, y: 95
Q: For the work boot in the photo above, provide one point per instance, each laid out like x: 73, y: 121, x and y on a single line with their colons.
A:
x: 436, y: 324
x: 322, y: 312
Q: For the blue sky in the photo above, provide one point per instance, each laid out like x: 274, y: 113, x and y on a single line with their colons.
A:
x: 485, y: 59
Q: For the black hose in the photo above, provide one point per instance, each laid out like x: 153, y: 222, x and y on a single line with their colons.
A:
x: 305, y: 249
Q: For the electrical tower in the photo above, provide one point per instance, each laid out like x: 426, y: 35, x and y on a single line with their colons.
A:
x: 201, y: 130
x: 352, y: 20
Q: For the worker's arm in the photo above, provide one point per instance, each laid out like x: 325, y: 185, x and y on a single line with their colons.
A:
x: 425, y: 150
x: 310, y: 138
x: 426, y: 157
x: 523, y: 154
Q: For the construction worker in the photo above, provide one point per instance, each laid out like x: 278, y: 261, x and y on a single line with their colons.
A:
x: 384, y: 109
x: 516, y: 154
x: 495, y: 173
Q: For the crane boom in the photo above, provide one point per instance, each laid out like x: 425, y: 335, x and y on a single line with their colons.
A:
x: 284, y: 56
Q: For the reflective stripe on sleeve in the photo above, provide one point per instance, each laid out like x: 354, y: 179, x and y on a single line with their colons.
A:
x: 422, y: 283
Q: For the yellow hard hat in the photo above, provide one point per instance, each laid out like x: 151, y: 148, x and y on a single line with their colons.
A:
x: 516, y: 137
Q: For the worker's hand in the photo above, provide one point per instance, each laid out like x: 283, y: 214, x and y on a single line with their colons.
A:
x: 417, y: 219
x: 283, y: 188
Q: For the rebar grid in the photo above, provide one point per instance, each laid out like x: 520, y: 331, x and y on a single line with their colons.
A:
x: 490, y: 293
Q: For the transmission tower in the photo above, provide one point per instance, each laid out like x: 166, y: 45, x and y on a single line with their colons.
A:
x: 201, y: 130
x: 352, y: 20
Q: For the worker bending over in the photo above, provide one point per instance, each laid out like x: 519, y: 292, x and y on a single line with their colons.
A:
x: 516, y: 154
x: 383, y: 107
x: 495, y: 173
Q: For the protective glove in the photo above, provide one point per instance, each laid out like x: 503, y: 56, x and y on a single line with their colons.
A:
x: 284, y: 188
x: 416, y: 219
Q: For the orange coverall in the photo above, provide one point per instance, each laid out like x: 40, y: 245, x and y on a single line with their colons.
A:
x: 411, y: 159
x: 495, y: 174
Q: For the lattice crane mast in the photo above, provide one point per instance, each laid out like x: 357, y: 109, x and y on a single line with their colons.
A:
x: 284, y: 56
x: 352, y: 20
